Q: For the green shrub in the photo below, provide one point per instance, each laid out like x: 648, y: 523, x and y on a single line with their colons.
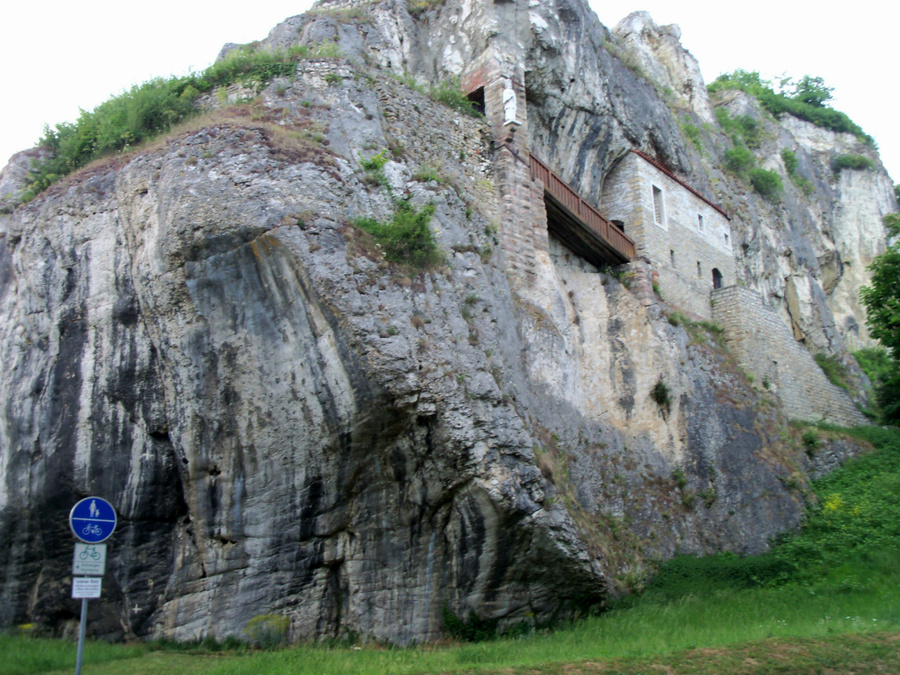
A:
x: 327, y: 49
x: 826, y: 118
x: 811, y: 441
x: 417, y: 7
x: 693, y: 134
x: 834, y: 370
x: 678, y: 318
x: 855, y: 162
x: 268, y: 630
x: 660, y: 394
x: 474, y: 629
x: 427, y: 174
x: 375, y: 162
x: 407, y: 238
x: 790, y: 164
x: 250, y: 67
x: 711, y: 326
x: 744, y: 129
x: 767, y: 183
x: 685, y: 575
x: 739, y: 159
x: 450, y: 93
x: 875, y: 362
x: 374, y: 168
x: 790, y: 160
x: 812, y: 90
x: 851, y: 529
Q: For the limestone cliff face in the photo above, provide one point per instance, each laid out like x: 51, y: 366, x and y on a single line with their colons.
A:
x: 288, y: 424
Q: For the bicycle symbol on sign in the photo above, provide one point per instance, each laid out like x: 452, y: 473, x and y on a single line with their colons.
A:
x: 89, y: 552
x: 91, y: 529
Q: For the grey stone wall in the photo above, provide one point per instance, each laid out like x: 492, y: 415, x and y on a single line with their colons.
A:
x: 411, y: 123
x: 765, y: 347
x: 682, y: 255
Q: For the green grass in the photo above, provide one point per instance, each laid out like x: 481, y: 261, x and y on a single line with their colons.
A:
x: 407, y: 238
x: 23, y: 654
x: 827, y: 599
x: 450, y: 93
x: 834, y: 370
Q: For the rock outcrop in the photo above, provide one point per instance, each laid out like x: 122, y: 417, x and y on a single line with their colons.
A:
x: 287, y: 423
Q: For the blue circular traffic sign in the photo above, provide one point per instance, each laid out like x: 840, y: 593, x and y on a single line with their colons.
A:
x: 92, y: 520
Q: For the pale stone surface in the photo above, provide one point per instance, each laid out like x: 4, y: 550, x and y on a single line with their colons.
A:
x: 663, y: 58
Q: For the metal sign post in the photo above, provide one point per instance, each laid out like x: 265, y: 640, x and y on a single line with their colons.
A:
x: 92, y: 520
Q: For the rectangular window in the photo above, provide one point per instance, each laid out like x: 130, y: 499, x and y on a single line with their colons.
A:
x: 659, y: 214
x: 700, y: 222
x: 672, y: 257
x: 727, y: 243
x: 699, y: 270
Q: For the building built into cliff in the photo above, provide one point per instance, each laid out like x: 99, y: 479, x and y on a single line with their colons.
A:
x: 678, y: 242
x: 685, y: 237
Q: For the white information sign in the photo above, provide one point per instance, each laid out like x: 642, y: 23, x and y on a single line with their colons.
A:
x: 89, y: 560
x: 86, y: 587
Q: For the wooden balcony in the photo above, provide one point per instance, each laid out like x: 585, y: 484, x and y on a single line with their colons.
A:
x: 579, y: 225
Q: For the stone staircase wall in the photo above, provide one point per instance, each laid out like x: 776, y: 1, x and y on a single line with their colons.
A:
x: 765, y: 347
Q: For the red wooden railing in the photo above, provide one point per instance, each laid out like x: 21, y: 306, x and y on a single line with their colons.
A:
x: 587, y: 214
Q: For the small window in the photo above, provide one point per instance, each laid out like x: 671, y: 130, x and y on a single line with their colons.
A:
x: 727, y: 242
x: 477, y: 99
x: 659, y: 214
x: 700, y: 222
x: 672, y: 256
x: 699, y: 270
x: 619, y: 224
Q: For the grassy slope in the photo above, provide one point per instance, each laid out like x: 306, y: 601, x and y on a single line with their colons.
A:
x: 825, y: 600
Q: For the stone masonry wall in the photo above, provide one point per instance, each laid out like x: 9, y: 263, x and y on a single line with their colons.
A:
x: 766, y: 348
x: 523, y: 218
x: 680, y: 252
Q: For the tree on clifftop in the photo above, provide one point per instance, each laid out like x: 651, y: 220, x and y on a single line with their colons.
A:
x: 812, y: 90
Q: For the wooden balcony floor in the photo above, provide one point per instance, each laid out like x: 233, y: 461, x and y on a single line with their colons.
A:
x: 579, y: 225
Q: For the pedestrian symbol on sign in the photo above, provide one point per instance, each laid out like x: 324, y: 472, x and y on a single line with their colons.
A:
x: 93, y: 520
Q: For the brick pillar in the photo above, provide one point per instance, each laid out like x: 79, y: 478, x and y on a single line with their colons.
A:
x: 523, y: 216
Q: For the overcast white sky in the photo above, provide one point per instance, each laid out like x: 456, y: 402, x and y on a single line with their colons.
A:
x: 59, y: 57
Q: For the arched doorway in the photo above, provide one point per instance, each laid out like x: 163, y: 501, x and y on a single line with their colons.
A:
x: 717, y: 278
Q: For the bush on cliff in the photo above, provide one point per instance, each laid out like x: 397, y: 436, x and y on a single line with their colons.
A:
x: 767, y: 183
x: 406, y: 239
x: 149, y: 109
x: 807, y: 100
